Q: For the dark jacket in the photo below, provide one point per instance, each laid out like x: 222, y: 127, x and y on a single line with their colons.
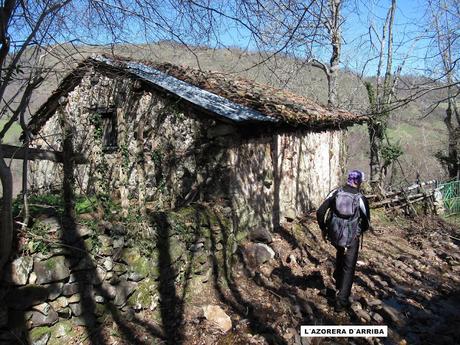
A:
x: 365, y: 216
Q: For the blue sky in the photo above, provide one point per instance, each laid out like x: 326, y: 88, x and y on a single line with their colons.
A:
x: 409, y: 43
x: 358, y: 14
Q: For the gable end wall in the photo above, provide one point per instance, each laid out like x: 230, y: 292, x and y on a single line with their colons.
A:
x: 283, y: 174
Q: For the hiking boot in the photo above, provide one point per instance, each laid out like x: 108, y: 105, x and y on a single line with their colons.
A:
x: 340, y: 306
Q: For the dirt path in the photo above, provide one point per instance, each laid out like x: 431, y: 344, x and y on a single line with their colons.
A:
x: 407, y: 278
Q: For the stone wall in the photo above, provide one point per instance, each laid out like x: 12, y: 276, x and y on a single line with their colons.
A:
x: 309, y: 166
x: 252, y: 182
x: 283, y: 175
x: 164, y: 153
x: 101, y: 272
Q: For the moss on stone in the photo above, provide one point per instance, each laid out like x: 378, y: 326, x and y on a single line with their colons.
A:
x: 50, y: 264
x: 215, y: 218
x: 197, y: 266
x: 142, y: 266
x: 63, y: 325
x: 146, y: 266
x: 176, y: 248
x: 104, y: 244
x: 38, y: 332
x: 205, y: 232
x: 130, y: 256
x: 89, y: 244
x: 185, y: 213
x: 61, y: 333
x: 145, y: 295
x: 100, y: 309
x: 298, y: 229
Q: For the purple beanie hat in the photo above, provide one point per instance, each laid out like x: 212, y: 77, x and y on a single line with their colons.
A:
x: 355, y: 177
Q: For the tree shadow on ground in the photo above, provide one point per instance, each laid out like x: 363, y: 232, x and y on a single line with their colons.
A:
x: 293, y: 241
x: 424, y: 297
x: 312, y: 281
x: 126, y: 322
x: 229, y: 293
x: 130, y: 327
x: 236, y: 293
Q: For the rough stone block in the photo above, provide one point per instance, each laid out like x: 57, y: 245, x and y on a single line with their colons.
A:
x: 18, y: 271
x: 38, y: 319
x: 122, y: 291
x: 24, y: 297
x: 51, y: 270
x: 260, y: 234
x: 217, y: 317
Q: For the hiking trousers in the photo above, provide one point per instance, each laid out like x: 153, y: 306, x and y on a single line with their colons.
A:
x: 345, y: 264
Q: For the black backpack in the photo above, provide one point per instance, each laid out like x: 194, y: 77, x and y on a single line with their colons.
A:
x: 343, y: 223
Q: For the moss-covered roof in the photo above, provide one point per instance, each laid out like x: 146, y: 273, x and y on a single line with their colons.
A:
x: 276, y: 103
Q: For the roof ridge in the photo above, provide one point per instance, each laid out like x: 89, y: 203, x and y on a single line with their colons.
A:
x: 154, y: 64
x: 234, y: 97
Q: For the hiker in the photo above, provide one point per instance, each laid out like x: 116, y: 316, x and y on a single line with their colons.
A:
x: 347, y: 218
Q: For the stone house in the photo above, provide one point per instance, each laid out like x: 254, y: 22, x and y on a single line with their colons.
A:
x: 165, y: 136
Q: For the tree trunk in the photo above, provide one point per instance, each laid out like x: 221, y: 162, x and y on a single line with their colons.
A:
x: 68, y: 168
x: 25, y: 169
x: 452, y: 152
x: 376, y: 136
x: 332, y: 89
x: 336, y: 42
x: 6, y: 221
x: 374, y: 163
x: 379, y: 100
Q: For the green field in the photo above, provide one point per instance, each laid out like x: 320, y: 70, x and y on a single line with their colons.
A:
x: 12, y: 136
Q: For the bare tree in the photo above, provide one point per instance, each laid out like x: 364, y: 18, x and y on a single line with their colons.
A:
x: 380, y: 95
x: 308, y: 31
x: 23, y: 28
x: 332, y: 21
x: 444, y: 20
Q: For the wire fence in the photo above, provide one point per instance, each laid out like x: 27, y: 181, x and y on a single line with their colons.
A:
x: 451, y: 196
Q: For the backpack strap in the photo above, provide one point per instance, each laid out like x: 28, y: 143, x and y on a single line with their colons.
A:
x: 357, y: 198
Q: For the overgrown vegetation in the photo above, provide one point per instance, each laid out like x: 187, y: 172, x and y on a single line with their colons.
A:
x: 53, y: 204
x: 38, y: 239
